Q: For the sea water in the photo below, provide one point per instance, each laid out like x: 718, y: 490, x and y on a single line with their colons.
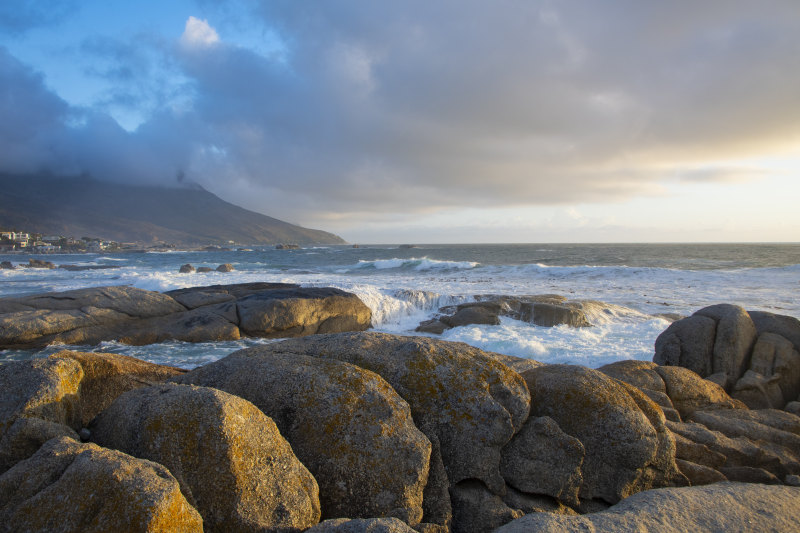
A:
x: 404, y: 286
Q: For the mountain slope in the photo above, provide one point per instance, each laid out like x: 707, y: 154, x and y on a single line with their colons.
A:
x: 80, y: 207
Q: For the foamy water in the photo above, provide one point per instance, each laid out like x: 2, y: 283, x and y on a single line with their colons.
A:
x: 402, y: 287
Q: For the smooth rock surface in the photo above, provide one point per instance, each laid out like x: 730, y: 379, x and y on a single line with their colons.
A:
x: 743, y: 508
x: 72, y: 487
x: 231, y: 461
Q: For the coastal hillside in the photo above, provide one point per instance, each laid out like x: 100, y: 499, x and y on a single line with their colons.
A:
x: 187, y: 215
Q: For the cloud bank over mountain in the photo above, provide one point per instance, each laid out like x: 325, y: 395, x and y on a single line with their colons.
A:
x: 372, y: 108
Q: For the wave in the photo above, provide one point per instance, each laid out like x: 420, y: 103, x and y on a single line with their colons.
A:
x: 416, y: 264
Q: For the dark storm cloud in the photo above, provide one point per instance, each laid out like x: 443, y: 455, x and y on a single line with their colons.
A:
x: 390, y: 106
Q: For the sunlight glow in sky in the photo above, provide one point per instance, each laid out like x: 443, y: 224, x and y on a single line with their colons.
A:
x: 468, y: 121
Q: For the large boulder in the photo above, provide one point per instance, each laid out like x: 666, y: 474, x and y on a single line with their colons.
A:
x: 688, y: 343
x: 627, y: 446
x: 718, y: 507
x: 72, y: 487
x: 297, y: 312
x: 220, y: 312
x: 776, y: 356
x: 346, y: 424
x: 232, y: 463
x: 469, y: 401
x: 25, y: 436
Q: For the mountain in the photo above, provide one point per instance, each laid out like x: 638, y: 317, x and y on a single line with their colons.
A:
x: 82, y: 207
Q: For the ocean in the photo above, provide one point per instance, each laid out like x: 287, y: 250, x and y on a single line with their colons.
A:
x: 404, y: 286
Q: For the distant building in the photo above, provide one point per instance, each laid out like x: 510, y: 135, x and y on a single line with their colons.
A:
x: 51, y: 238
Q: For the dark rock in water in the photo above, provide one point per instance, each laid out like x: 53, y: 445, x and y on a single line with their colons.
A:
x: 471, y: 314
x: 432, y: 326
x: 356, y: 246
x: 38, y: 263
x: 406, y: 246
x: 203, y: 270
x: 186, y: 269
x: 6, y: 265
x: 287, y: 246
x: 135, y: 316
x: 227, y: 267
x: 79, y: 268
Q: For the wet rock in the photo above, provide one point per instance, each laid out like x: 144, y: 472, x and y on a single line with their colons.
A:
x: 472, y: 314
x: 38, y: 263
x: 628, y: 449
x: 739, y: 507
x: 6, y: 265
x: 204, y: 270
x: 226, y: 267
x: 73, y: 487
x: 346, y: 424
x: 229, y: 458
x: 186, y: 269
x: 433, y: 325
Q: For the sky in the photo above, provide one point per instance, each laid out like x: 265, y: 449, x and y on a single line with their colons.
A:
x: 418, y: 121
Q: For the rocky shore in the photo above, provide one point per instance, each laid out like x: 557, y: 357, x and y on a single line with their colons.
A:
x: 370, y: 432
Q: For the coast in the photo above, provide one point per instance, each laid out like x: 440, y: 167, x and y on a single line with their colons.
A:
x: 368, y: 431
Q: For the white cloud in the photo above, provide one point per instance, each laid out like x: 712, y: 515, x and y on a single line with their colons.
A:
x: 199, y: 34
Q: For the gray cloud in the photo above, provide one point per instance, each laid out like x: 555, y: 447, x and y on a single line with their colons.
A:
x: 377, y: 107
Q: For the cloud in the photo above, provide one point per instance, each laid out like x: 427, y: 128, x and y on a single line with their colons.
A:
x: 20, y: 16
x: 376, y: 108
x: 199, y: 34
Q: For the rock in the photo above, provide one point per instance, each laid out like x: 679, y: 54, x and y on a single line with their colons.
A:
x: 134, y: 316
x: 748, y: 474
x: 529, y: 503
x: 346, y: 424
x: 688, y: 392
x: 739, y: 451
x: 688, y: 343
x: 361, y: 525
x: 40, y: 388
x: 296, y: 312
x: 749, y: 427
x: 697, y: 453
x: 106, y: 376
x: 26, y: 436
x: 465, y: 398
x: 473, y: 314
x: 735, y: 337
x: 229, y: 458
x: 186, y: 269
x: 628, y: 449
x: 737, y: 507
x: 700, y: 474
x: 433, y: 325
x: 757, y: 391
x: 204, y: 270
x: 226, y: 267
x: 38, y: 263
x: 792, y: 480
x: 542, y: 459
x: 774, y: 355
x: 477, y: 510
x: 83, y: 268
x: 793, y: 407
x: 287, y: 246
x: 641, y: 374
x: 6, y: 265
x: 787, y: 327
x: 71, y: 487
x: 548, y: 315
